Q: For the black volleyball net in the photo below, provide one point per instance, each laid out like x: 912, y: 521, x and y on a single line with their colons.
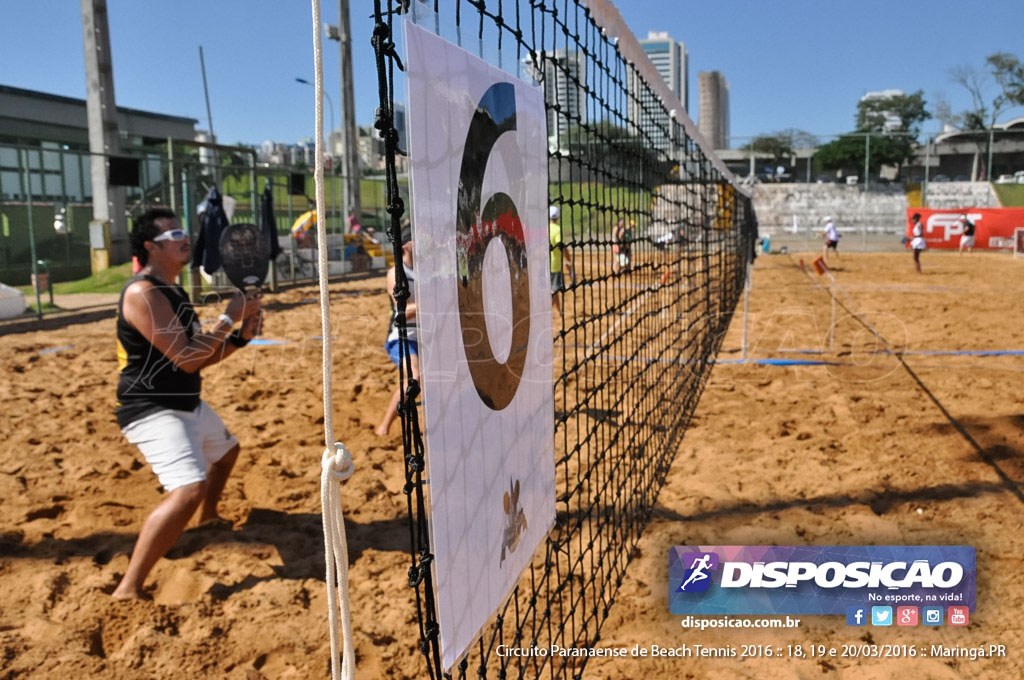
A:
x: 657, y: 239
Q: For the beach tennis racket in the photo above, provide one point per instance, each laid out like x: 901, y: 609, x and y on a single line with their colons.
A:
x: 245, y: 255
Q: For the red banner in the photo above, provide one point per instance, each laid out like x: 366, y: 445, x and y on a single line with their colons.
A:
x: 993, y: 227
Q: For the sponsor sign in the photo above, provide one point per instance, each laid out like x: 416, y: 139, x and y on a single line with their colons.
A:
x: 993, y: 227
x: 478, y: 157
x: 860, y: 582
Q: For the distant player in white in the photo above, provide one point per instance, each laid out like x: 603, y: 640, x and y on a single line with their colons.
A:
x: 831, y: 235
x: 917, y: 243
x: 699, y: 566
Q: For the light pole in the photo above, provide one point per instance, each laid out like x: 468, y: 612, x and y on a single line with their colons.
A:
x: 330, y: 150
x: 330, y: 104
x: 349, y: 136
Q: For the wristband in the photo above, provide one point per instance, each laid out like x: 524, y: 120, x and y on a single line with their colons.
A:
x: 227, y: 319
x: 237, y: 340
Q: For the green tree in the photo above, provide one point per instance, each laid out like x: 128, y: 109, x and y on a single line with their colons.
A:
x: 778, y: 146
x: 1008, y: 71
x: 901, y: 117
x: 847, y: 153
x: 986, y: 107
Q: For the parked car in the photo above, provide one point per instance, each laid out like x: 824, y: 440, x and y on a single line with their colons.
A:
x: 940, y: 178
x: 1019, y: 176
x: 1005, y: 179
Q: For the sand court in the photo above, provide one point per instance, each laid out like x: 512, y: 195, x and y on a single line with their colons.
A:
x: 857, y: 448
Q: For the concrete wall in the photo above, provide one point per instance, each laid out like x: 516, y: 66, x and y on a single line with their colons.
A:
x: 961, y: 195
x: 883, y: 209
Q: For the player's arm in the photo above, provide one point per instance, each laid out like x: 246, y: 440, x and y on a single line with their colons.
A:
x: 251, y: 327
x: 150, y: 312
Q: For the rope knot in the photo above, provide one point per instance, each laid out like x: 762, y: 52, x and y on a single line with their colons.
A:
x: 338, y: 462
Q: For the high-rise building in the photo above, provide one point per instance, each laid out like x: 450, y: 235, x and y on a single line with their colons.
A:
x: 891, y: 118
x: 564, y: 77
x: 714, y: 108
x: 672, y: 61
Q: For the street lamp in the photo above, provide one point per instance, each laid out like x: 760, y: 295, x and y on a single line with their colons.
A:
x: 330, y: 151
x: 329, y: 103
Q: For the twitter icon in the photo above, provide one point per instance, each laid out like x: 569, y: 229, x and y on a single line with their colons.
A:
x: 881, y: 616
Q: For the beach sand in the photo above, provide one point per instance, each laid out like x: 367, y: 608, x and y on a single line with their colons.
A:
x: 867, y: 451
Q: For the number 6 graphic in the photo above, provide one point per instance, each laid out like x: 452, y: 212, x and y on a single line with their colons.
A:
x: 495, y: 382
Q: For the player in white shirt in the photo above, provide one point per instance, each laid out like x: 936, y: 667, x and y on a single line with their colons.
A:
x: 918, y: 242
x: 831, y: 236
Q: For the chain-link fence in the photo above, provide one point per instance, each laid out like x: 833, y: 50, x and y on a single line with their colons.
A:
x: 46, y: 206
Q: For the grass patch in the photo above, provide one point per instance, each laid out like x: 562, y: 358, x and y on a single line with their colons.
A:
x: 47, y: 307
x: 1010, y: 195
x: 110, y: 280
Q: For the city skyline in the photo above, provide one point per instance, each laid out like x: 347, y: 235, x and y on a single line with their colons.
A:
x: 784, y: 65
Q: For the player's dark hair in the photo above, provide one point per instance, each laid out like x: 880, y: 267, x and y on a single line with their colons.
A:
x: 915, y: 216
x: 146, y: 229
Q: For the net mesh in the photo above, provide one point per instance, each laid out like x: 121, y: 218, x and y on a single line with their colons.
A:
x: 656, y: 244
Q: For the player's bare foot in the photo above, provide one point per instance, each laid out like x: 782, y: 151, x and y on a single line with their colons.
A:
x: 121, y: 593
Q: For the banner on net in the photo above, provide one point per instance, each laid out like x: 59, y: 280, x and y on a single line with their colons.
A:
x: 478, y: 158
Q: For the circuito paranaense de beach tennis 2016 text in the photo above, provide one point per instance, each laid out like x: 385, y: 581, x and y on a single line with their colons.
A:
x: 880, y: 651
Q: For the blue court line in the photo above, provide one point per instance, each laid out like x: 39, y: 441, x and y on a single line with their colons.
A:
x: 927, y: 352
x: 54, y: 350
x: 764, y: 362
x: 778, y: 362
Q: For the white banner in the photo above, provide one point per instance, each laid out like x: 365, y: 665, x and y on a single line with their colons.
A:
x: 478, y: 158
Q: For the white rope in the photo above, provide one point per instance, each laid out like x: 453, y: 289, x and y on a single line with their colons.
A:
x: 336, y: 467
x: 336, y: 464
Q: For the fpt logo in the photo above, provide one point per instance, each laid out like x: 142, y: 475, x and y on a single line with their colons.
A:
x: 950, y: 224
x: 697, y: 577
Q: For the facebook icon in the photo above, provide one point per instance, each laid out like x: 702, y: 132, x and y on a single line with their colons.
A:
x: 856, y: 616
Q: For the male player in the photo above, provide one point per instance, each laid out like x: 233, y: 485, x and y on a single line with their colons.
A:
x: 161, y: 348
x: 558, y: 253
x: 967, y: 236
x: 831, y: 236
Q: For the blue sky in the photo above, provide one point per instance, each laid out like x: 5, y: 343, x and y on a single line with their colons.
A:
x: 790, y: 63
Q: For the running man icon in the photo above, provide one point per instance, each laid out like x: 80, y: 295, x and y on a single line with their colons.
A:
x: 697, y: 577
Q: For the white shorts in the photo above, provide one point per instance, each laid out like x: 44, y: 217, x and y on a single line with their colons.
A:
x: 966, y: 241
x: 181, y: 445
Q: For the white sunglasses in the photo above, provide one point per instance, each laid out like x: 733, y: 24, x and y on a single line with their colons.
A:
x: 172, y: 235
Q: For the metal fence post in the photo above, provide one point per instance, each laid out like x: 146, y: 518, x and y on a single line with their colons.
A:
x: 27, y: 191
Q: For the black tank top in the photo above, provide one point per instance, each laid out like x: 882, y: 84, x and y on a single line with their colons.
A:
x: 149, y: 381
